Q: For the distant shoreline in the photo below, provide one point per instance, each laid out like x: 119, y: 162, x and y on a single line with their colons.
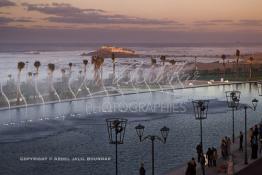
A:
x: 73, y: 46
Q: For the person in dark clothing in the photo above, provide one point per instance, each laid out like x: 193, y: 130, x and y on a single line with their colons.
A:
x: 256, y: 132
x: 254, y: 148
x: 215, y: 156
x: 203, y: 163
x: 193, y: 164
x: 142, y: 170
x: 209, y: 157
x: 199, y: 152
x: 241, y: 142
x: 223, y: 148
x: 260, y: 130
x: 260, y: 137
x: 189, y: 169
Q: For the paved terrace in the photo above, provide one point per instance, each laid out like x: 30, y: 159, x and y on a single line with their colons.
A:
x: 253, y: 168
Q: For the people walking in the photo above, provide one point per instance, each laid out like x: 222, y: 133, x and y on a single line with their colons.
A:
x: 202, y: 163
x: 142, y: 170
x: 260, y: 141
x: 250, y: 135
x: 193, y: 163
x: 215, y: 156
x: 199, y: 150
x: 191, y: 167
x: 241, y: 141
x: 209, y: 157
x: 256, y: 132
x: 223, y: 148
x: 260, y: 130
x: 254, y: 147
x: 228, y: 144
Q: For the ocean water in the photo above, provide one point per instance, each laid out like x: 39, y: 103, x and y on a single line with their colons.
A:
x: 62, y: 53
x: 76, y: 129
x: 82, y: 131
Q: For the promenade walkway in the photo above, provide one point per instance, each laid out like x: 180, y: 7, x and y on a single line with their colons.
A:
x: 253, y: 168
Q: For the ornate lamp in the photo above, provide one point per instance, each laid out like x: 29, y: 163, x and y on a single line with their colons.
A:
x: 254, y: 103
x: 116, y: 126
x: 140, y: 131
x: 200, y: 109
x: 233, y: 98
x: 164, y: 132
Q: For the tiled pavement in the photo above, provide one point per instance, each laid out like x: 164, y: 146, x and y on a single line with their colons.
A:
x: 238, y: 167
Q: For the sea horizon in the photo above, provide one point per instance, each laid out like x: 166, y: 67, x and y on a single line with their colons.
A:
x: 74, y: 46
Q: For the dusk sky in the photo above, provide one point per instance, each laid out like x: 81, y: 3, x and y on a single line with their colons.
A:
x: 130, y: 21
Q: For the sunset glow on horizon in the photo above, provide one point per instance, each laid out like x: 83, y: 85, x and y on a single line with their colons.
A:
x: 136, y: 15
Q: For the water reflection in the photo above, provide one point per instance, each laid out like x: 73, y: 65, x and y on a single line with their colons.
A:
x: 83, y: 129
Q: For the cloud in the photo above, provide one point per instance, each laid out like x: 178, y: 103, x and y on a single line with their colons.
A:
x: 213, y: 22
x: 65, y: 13
x: 7, y: 20
x: 242, y: 22
x: 6, y: 3
x: 59, y: 9
x: 11, y: 34
x: 221, y: 21
x: 4, y: 13
x: 248, y: 22
x: 204, y: 23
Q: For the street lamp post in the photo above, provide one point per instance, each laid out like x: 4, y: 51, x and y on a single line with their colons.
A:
x: 233, y: 98
x: 116, y: 126
x: 200, y: 110
x: 253, y: 107
x: 164, y: 133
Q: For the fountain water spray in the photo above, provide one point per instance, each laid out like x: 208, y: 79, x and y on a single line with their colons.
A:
x: 144, y: 79
x: 117, y: 80
x: 69, y: 84
x: 6, y: 98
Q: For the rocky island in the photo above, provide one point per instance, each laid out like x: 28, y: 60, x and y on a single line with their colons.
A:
x: 107, y: 51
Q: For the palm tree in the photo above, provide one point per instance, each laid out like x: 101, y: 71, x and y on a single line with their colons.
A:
x: 51, y: 68
x: 224, y: 64
x: 163, y: 59
x: 94, y: 62
x: 251, y: 59
x: 85, y: 62
x: 98, y: 62
x: 70, y: 66
x: 69, y: 85
x: 153, y: 61
x: 237, y: 55
x: 37, y: 64
x: 173, y: 62
x: 152, y: 74
x: 114, y: 64
x: 20, y: 67
x: 30, y: 74
x: 9, y: 76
